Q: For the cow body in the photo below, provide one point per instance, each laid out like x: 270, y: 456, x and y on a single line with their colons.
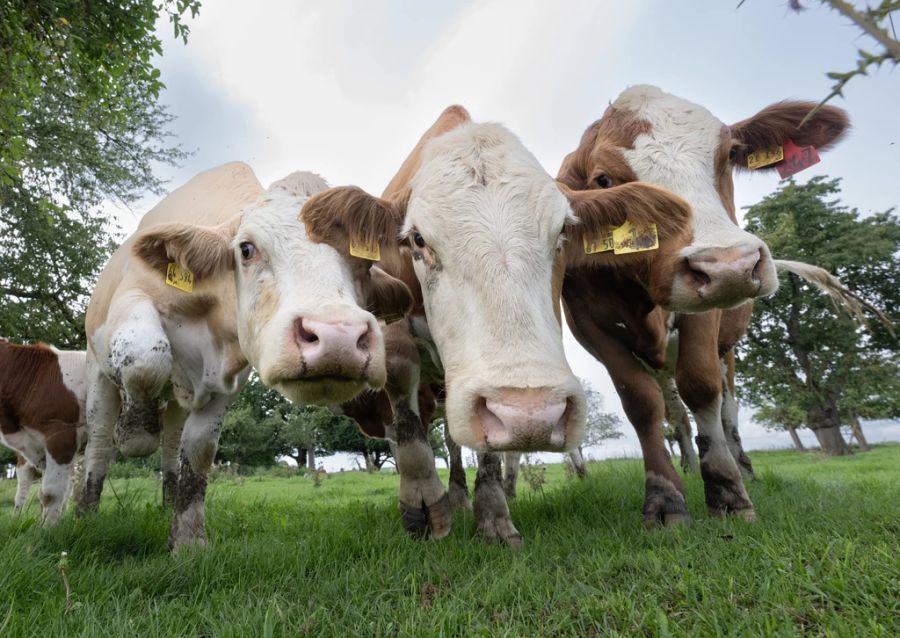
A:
x: 42, y: 394
x: 625, y: 323
x: 262, y: 294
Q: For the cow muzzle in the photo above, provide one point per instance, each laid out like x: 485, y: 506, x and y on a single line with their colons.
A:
x: 334, y: 349
x: 724, y: 277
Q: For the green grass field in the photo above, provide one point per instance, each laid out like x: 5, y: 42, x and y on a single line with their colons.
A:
x: 287, y: 559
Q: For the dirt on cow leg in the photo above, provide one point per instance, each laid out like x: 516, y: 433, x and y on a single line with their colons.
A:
x: 723, y: 483
x: 138, y: 428
x: 424, y: 503
x: 188, y: 523
x: 169, y: 488
x: 457, y: 488
x: 511, y: 461
x: 491, y: 510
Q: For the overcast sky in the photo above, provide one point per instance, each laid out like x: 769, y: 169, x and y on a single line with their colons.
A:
x: 346, y: 88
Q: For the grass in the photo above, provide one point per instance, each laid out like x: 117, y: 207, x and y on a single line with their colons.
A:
x: 288, y: 559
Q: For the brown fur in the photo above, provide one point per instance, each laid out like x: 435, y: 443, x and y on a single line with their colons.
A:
x: 204, y: 250
x: 34, y: 396
x: 780, y: 121
x: 389, y: 298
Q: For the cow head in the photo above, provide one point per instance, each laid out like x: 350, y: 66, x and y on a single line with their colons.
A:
x: 306, y: 314
x: 654, y: 137
x: 485, y: 227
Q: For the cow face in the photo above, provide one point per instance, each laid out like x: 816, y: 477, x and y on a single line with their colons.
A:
x: 301, y: 306
x: 485, y: 227
x: 654, y: 137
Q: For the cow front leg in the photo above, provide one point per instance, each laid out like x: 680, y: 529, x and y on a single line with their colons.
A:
x: 25, y: 477
x: 492, y: 519
x: 730, y: 420
x: 511, y: 463
x: 170, y: 446
x: 578, y: 464
x: 199, y: 442
x: 699, y: 381
x: 424, y: 503
x: 458, y: 488
x: 101, y: 409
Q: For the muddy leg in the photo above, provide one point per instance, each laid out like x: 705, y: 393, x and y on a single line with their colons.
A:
x: 491, y: 511
x: 511, y: 462
x: 170, y: 445
x: 730, y: 421
x: 101, y: 410
x: 458, y: 489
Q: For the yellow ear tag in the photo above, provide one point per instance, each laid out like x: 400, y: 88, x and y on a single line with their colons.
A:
x: 765, y: 158
x: 179, y: 277
x: 392, y: 318
x: 372, y: 251
x: 631, y: 238
x: 599, y: 244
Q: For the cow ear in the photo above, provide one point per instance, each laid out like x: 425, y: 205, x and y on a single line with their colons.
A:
x: 204, y: 250
x: 389, y: 298
x: 639, y: 203
x: 348, y: 216
x: 776, y: 123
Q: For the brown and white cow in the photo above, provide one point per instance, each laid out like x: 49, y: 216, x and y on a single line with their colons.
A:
x: 624, y: 320
x: 42, y: 393
x: 220, y: 276
x: 485, y: 227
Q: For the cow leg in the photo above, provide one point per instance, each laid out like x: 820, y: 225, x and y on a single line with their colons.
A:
x: 25, y: 477
x: 578, y: 463
x: 677, y: 416
x: 730, y: 420
x: 141, y: 359
x: 491, y: 510
x: 699, y: 380
x: 101, y: 409
x: 199, y: 441
x: 170, y: 445
x: 511, y: 462
x: 54, y: 488
x: 458, y: 489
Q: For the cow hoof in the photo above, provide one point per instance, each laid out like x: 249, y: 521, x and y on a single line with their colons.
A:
x: 427, y: 521
x: 499, y: 529
x: 664, y: 504
x: 726, y: 495
x: 459, y: 499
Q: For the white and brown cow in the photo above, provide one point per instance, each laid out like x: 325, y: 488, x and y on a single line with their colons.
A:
x: 484, y: 227
x: 220, y: 276
x: 42, y: 393
x: 624, y: 320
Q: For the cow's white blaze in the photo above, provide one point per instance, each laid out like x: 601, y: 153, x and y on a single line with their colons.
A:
x: 679, y: 154
x: 292, y: 278
x: 491, y: 219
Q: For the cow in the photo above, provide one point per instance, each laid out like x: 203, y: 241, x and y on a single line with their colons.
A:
x: 624, y: 321
x: 219, y: 276
x: 484, y: 229
x: 42, y: 394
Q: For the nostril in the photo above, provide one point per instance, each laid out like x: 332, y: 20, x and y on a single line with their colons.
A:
x: 363, y: 342
x: 304, y: 335
x: 699, y: 277
x: 757, y: 268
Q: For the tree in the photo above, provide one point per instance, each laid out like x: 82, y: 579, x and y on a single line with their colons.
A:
x: 800, y: 357
x: 600, y: 426
x: 343, y: 435
x: 80, y: 125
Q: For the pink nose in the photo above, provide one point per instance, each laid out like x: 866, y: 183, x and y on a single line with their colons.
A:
x: 727, y: 276
x: 523, y: 420
x: 333, y: 349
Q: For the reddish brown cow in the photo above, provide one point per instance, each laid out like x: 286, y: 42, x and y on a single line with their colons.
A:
x: 624, y: 320
x: 42, y: 418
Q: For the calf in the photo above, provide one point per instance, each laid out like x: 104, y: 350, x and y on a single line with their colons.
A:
x: 42, y: 394
x: 484, y: 228
x: 624, y: 320
x: 219, y: 276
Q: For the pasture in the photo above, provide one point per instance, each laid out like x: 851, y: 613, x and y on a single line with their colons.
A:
x: 287, y: 559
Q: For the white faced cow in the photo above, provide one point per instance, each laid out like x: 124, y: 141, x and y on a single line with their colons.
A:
x: 654, y: 137
x: 42, y: 418
x: 485, y: 227
x: 220, y: 276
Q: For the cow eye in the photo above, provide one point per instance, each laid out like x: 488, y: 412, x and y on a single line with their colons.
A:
x: 732, y: 154
x: 418, y: 240
x: 248, y: 251
x: 603, y: 180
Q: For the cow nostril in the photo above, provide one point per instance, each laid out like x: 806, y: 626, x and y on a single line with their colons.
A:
x: 363, y: 342
x: 699, y: 277
x: 757, y: 268
x: 305, y: 335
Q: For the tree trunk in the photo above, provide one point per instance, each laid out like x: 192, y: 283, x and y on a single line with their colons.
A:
x: 795, y: 437
x: 311, y: 458
x: 826, y: 425
x: 677, y: 416
x: 856, y: 428
x: 370, y: 466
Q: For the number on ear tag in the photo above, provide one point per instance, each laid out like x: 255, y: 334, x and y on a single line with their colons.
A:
x: 759, y: 159
x: 599, y: 244
x: 179, y: 277
x: 372, y: 251
x: 796, y: 159
x: 632, y: 238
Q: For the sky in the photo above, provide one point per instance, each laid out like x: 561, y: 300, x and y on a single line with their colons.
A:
x: 346, y: 88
